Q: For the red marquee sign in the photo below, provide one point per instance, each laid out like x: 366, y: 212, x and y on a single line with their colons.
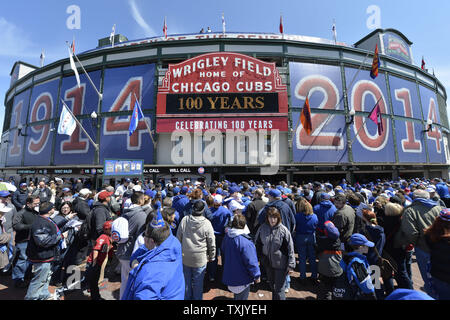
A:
x: 222, y: 84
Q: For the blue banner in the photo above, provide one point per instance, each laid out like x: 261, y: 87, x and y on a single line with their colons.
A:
x: 18, y: 118
x: 123, y: 85
x: 327, y: 142
x: 436, y: 153
x: 410, y: 141
x: 363, y: 95
x: 321, y: 83
x: 40, y: 137
x: 77, y: 148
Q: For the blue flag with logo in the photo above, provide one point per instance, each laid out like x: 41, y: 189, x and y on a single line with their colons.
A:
x: 135, y: 117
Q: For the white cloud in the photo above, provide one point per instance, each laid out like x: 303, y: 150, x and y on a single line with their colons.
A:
x: 149, y: 32
x: 14, y: 41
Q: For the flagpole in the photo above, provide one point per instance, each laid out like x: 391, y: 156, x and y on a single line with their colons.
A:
x: 79, y: 123
x: 145, y: 120
x: 92, y: 83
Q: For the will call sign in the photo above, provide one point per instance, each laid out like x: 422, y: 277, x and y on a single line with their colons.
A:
x: 222, y: 82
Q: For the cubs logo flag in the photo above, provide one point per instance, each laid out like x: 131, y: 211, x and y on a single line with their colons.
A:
x: 375, y: 116
x: 135, y: 117
x: 165, y: 28
x: 305, y: 117
x: 67, y: 124
x: 375, y: 64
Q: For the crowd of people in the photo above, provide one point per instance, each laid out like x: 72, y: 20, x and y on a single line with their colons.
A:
x: 167, y: 238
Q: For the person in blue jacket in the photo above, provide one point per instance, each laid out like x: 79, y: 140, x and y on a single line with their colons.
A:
x: 442, y: 190
x: 220, y: 218
x: 324, y: 210
x: 305, y: 239
x: 240, y: 264
x: 356, y: 269
x: 158, y: 271
x: 180, y: 198
x: 287, y: 216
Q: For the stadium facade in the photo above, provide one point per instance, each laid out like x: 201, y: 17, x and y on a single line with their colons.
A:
x: 228, y: 106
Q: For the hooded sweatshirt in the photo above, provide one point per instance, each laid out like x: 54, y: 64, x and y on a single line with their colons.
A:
x: 159, y: 275
x: 241, y: 262
x: 325, y: 211
x: 197, y: 239
x: 136, y: 224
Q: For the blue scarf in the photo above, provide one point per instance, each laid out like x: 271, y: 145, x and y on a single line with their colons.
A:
x: 427, y: 202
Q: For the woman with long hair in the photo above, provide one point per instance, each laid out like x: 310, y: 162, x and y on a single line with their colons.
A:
x: 305, y: 238
x: 438, y: 239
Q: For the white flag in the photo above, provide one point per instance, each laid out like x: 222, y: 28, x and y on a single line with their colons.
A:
x: 223, y: 24
x: 74, y: 68
x: 111, y: 36
x: 67, y: 123
x: 334, y: 32
x: 42, y: 58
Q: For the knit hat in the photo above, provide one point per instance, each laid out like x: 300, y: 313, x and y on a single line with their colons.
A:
x: 49, y: 208
x: 445, y: 214
x: 198, y: 208
x: 157, y: 222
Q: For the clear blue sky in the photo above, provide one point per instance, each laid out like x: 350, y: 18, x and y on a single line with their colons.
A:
x: 27, y: 27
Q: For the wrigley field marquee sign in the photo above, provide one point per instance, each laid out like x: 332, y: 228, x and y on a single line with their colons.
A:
x: 221, y: 84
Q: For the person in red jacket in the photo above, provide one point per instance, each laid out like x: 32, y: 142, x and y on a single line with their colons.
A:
x: 103, y: 247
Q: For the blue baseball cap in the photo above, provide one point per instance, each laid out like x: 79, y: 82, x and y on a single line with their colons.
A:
x: 358, y: 239
x: 325, y: 196
x: 274, y: 193
x: 408, y: 294
x: 234, y: 189
x: 184, y: 190
x: 65, y: 190
x: 219, y: 191
x: 176, y: 190
x: 4, y: 194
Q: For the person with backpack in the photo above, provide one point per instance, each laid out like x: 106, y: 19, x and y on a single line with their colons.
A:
x: 135, y: 216
x: 329, y: 255
x: 99, y: 215
x: 43, y: 248
x: 356, y: 276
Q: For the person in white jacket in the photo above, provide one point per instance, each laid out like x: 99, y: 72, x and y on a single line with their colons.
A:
x: 197, y: 239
